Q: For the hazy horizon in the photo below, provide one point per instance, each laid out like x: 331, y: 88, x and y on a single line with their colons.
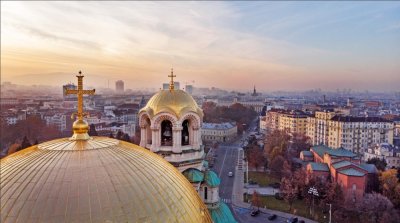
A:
x: 295, y: 46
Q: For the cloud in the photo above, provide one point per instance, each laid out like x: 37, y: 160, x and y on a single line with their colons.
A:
x: 139, y: 41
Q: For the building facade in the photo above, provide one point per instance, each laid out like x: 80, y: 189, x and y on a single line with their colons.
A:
x: 384, y: 151
x: 119, y: 86
x: 293, y: 122
x: 343, y: 167
x: 317, y: 127
x: 357, y: 134
x: 218, y: 132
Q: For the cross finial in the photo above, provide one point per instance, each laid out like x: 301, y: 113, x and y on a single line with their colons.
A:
x: 80, y: 127
x: 171, y: 83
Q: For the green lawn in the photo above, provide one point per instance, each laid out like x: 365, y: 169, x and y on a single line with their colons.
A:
x: 299, y: 207
x: 263, y: 179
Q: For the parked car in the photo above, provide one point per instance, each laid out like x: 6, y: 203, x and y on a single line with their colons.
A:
x: 255, y: 213
x: 272, y: 217
x: 292, y: 220
x: 230, y: 174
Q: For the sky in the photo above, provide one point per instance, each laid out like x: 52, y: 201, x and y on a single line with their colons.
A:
x: 232, y: 45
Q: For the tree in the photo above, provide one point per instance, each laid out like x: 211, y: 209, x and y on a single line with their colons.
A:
x: 92, y: 130
x: 13, y: 148
x: 126, y: 138
x: 292, y: 186
x: 255, y: 200
x: 256, y: 157
x: 379, y: 163
x: 111, y: 135
x: 276, y: 166
x: 119, y: 135
x: 276, y: 144
x: 235, y: 113
x: 33, y: 128
x: 24, y: 144
x: 299, y: 143
x: 390, y: 186
x: 376, y: 208
x: 289, y: 191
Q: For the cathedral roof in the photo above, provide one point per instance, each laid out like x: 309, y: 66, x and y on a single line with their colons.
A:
x: 173, y: 101
x: 222, y: 214
x: 194, y: 175
x: 95, y: 180
x: 212, y: 179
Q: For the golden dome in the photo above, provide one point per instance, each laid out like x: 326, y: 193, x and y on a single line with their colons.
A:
x: 95, y: 180
x: 177, y: 102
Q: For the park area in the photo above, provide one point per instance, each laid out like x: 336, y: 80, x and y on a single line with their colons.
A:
x: 263, y: 179
x: 300, y: 207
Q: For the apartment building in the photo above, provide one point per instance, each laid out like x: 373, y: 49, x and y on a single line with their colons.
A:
x: 358, y: 133
x: 317, y: 127
x: 293, y: 122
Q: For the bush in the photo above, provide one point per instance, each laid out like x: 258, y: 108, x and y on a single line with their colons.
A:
x: 278, y: 196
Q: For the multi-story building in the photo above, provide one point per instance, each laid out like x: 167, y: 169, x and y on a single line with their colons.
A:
x: 218, y: 132
x: 57, y: 120
x: 358, y: 133
x: 384, y: 151
x: 317, y: 127
x: 69, y: 97
x: 263, y: 123
x: 293, y: 122
x: 272, y: 119
x: 343, y: 167
x: 119, y: 86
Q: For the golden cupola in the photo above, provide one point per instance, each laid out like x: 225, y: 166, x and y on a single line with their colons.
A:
x: 94, y: 179
x: 173, y: 101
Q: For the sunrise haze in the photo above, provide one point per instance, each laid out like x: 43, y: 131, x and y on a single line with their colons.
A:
x: 232, y: 45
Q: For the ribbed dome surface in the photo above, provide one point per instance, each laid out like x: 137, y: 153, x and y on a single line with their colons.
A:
x: 177, y: 102
x: 98, y: 180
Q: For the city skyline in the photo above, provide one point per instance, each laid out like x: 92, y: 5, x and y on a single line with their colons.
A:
x: 230, y: 45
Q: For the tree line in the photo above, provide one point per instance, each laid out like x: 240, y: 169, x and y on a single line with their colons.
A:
x: 235, y: 113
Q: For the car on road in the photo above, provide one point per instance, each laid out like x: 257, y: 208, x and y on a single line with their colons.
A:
x: 230, y: 174
x: 292, y: 220
x: 255, y: 213
x: 272, y: 217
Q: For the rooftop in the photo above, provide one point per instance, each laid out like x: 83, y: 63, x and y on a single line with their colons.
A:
x: 222, y: 214
x: 352, y: 172
x: 307, y: 153
x: 371, y: 168
x: 222, y: 126
x: 340, y: 152
x: 319, y: 166
x: 341, y: 164
x: 358, y: 119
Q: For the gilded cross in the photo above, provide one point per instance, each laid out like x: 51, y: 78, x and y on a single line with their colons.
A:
x: 80, y: 92
x: 171, y: 84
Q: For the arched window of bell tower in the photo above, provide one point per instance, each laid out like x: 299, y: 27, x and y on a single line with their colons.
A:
x: 148, y: 132
x: 166, y: 133
x: 185, y: 132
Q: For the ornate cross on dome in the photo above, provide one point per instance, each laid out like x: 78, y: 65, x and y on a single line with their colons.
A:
x: 171, y: 84
x: 80, y: 92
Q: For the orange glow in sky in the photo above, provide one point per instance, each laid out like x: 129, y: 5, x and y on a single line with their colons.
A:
x: 221, y: 44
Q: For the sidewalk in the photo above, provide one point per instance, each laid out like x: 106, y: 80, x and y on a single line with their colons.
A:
x: 238, y: 190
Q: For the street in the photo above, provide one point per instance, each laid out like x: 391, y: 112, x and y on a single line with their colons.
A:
x: 225, y: 162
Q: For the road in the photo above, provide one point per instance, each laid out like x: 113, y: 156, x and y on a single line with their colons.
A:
x: 225, y: 162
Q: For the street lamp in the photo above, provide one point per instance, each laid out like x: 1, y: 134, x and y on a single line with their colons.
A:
x: 314, y: 192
